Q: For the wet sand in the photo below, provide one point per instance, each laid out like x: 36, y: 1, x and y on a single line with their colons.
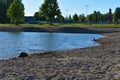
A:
x: 92, y: 63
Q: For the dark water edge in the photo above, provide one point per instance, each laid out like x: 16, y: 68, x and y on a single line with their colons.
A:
x: 60, y: 29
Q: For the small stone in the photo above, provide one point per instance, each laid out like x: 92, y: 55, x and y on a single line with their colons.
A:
x: 113, y: 51
x: 23, y: 54
x: 118, y: 50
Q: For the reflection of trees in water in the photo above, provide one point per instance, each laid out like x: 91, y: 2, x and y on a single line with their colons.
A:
x: 49, y: 41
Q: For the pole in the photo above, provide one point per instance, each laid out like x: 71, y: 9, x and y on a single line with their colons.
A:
x: 66, y: 13
x: 86, y: 9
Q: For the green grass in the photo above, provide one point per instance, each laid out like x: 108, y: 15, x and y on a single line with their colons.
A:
x: 63, y: 25
x: 8, y: 25
x: 106, y: 25
x: 93, y: 25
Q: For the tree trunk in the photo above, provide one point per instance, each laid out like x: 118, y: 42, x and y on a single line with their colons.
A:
x: 51, y: 21
x: 11, y: 20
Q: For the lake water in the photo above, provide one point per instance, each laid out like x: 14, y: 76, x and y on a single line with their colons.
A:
x: 12, y: 43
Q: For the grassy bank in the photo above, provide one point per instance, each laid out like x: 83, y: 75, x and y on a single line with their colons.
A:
x: 63, y: 25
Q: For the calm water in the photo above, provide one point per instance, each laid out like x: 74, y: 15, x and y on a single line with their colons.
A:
x: 12, y: 43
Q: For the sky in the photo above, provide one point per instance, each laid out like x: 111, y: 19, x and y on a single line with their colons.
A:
x: 70, y: 7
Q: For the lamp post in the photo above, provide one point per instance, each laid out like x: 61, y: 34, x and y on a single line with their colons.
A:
x: 86, y: 9
x: 66, y: 13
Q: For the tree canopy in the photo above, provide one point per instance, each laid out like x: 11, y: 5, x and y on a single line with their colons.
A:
x: 16, y: 12
x: 4, y: 4
x: 117, y: 14
x: 82, y: 18
x: 110, y: 16
x: 61, y: 19
x: 36, y: 16
x: 75, y: 18
x: 50, y: 9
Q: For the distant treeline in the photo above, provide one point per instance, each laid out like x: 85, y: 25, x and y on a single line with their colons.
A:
x: 96, y: 17
x: 12, y: 11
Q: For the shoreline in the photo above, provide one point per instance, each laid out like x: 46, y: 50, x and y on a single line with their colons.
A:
x: 60, y: 29
x: 91, y: 63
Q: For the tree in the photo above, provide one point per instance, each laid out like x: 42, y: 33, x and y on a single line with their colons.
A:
x: 105, y: 17
x: 2, y: 12
x: 75, y: 18
x: 82, y: 18
x: 4, y: 4
x: 61, y: 19
x: 90, y: 18
x: 110, y: 16
x: 36, y: 16
x: 70, y: 18
x: 42, y: 17
x: 117, y: 14
x: 16, y: 12
x: 50, y: 9
x: 95, y: 17
x: 99, y: 16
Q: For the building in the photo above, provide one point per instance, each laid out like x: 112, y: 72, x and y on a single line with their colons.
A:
x: 30, y: 20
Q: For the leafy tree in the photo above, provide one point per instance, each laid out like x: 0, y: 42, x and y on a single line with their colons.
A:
x: 61, y: 19
x: 42, y: 17
x: 110, y: 16
x: 82, y: 18
x: 8, y: 2
x: 90, y: 18
x: 2, y: 12
x: 4, y: 4
x: 95, y: 17
x: 75, y: 18
x: 117, y: 14
x: 16, y: 12
x: 70, y: 18
x: 104, y: 17
x: 50, y: 9
x: 36, y: 16
x: 99, y: 15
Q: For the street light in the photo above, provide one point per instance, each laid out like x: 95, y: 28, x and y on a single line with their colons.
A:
x: 86, y: 9
x: 66, y: 13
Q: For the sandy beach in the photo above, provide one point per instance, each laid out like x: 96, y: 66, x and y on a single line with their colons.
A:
x: 92, y: 63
